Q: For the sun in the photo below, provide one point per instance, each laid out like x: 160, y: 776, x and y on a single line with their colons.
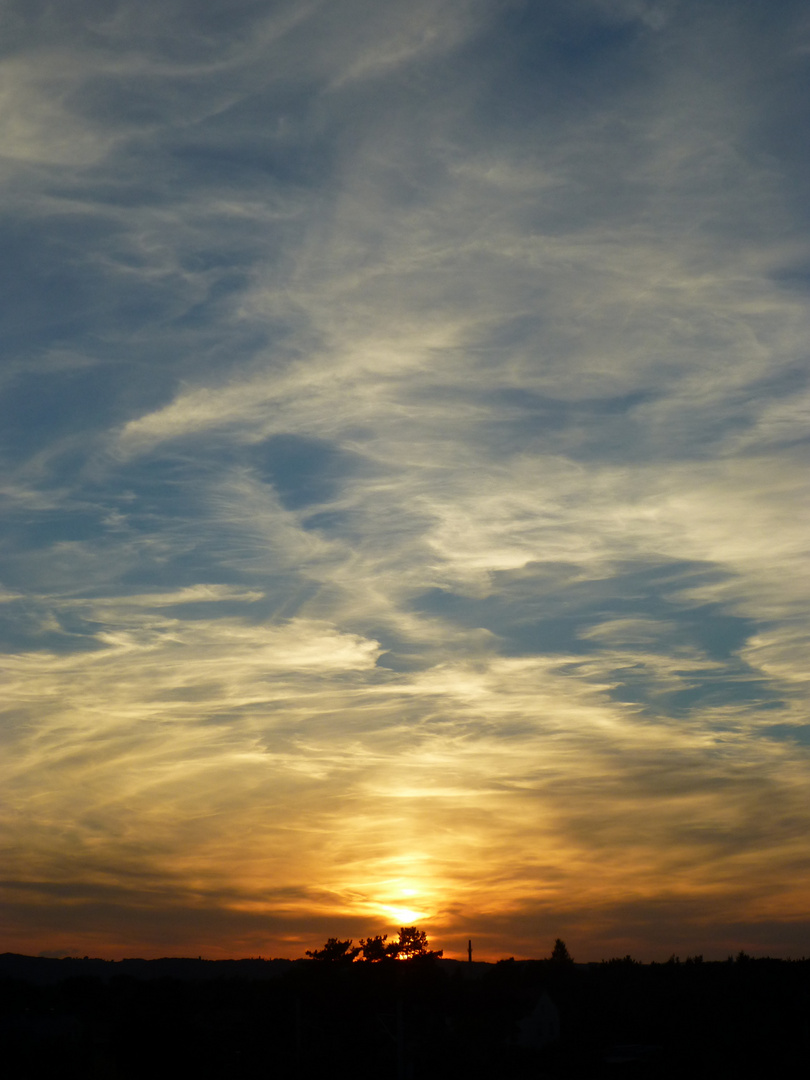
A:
x: 396, y: 900
x: 404, y: 916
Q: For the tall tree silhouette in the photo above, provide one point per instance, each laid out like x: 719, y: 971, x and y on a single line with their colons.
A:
x: 560, y: 953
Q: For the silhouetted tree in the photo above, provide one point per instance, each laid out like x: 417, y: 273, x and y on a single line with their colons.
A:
x: 560, y: 953
x: 335, y: 951
x: 623, y: 961
x: 378, y: 948
x: 412, y: 943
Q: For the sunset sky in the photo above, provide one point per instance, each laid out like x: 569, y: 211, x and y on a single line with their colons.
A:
x: 405, y: 521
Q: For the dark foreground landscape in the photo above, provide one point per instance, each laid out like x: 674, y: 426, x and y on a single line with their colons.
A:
x: 417, y: 1019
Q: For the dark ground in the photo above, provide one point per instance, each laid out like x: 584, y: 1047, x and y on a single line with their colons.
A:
x: 416, y: 1019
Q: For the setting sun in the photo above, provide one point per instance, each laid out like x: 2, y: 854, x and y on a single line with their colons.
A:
x: 403, y: 915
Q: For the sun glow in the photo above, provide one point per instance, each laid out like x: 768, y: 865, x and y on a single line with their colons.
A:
x: 405, y: 916
x: 399, y: 900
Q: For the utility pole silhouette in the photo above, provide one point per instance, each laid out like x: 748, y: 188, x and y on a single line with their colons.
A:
x: 469, y: 951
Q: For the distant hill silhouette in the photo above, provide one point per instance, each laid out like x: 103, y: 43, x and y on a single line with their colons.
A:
x: 44, y: 971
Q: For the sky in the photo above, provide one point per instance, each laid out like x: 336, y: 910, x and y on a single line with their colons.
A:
x: 403, y: 465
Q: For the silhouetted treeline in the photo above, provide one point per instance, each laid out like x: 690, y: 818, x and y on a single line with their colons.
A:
x: 44, y: 970
x: 423, y: 1018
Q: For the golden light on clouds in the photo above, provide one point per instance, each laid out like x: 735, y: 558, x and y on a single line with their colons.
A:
x: 442, y: 821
